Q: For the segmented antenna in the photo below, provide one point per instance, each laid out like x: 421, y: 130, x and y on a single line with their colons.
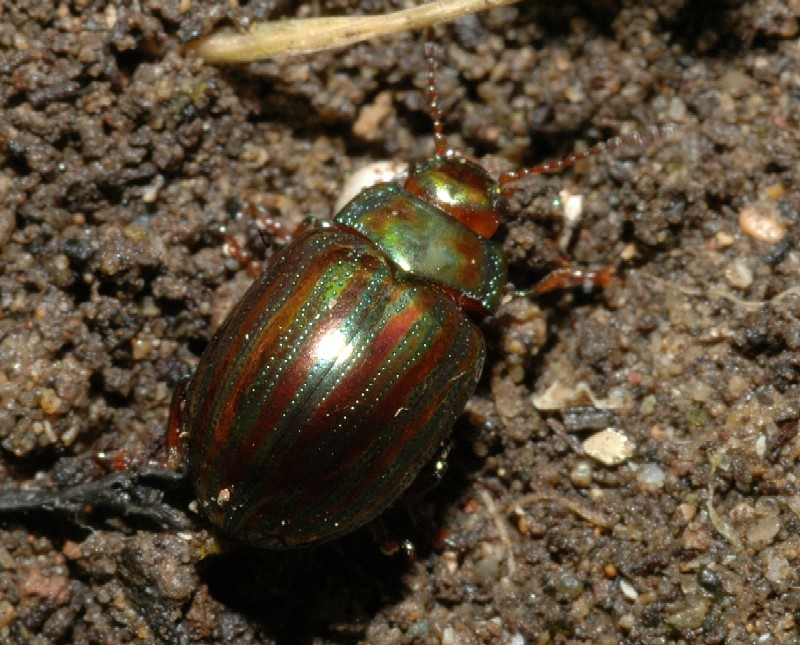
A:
x: 636, y: 141
x: 431, y: 55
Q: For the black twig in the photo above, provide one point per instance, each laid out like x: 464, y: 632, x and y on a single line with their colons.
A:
x: 120, y: 494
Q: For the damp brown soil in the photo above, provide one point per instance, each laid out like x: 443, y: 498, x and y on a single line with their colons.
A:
x: 129, y: 167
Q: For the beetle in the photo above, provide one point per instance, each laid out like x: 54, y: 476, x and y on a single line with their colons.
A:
x: 341, y: 371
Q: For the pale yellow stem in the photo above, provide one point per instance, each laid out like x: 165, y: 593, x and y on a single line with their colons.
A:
x: 308, y: 35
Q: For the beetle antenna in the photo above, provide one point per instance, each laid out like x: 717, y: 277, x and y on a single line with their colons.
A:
x: 431, y: 55
x: 635, y: 142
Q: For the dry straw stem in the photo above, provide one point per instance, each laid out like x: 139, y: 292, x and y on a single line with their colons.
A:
x: 307, y: 35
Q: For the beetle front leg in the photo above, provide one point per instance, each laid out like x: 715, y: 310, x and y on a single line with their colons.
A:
x: 270, y: 228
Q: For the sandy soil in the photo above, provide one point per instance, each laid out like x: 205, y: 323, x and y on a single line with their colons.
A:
x: 124, y: 160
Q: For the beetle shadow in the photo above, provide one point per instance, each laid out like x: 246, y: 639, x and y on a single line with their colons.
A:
x: 297, y: 596
x: 335, y: 590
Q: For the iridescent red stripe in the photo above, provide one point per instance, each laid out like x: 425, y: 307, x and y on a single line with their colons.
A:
x: 311, y: 446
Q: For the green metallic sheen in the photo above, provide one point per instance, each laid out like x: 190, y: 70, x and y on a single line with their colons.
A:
x: 428, y: 243
x: 332, y: 383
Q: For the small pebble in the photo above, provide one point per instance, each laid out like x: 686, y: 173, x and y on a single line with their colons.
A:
x: 687, y: 511
x: 677, y: 109
x: 50, y: 401
x: 763, y: 531
x: 486, y: 569
x: 368, y: 124
x: 626, y: 622
x: 738, y: 386
x: 581, y: 474
x: 418, y: 630
x: 761, y: 446
x: 72, y: 550
x: 650, y: 477
x: 690, y: 616
x: 772, y: 191
x: 793, y: 502
x: 141, y: 348
x: 7, y: 561
x: 573, y: 206
x: 778, y: 568
x: 610, y: 447
x: 7, y: 614
x: 628, y: 590
x: 710, y: 580
x: 7, y: 225
x: 724, y: 239
x: 761, y: 222
x: 449, y: 637
x: 570, y: 585
x: 648, y: 405
x: 738, y: 274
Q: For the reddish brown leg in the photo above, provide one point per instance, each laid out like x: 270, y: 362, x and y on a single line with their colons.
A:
x: 271, y: 229
x: 570, y: 277
x: 566, y: 275
x: 272, y: 226
x: 173, y: 456
x: 141, y: 459
x: 390, y: 544
x: 242, y: 255
x: 134, y: 488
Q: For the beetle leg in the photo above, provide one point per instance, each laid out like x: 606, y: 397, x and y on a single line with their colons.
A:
x: 388, y: 543
x: 430, y: 476
x: 166, y: 467
x: 242, y: 255
x: 174, y: 427
x: 570, y: 277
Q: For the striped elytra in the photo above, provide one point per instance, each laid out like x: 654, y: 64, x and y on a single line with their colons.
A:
x: 330, y: 385
x: 339, y: 375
